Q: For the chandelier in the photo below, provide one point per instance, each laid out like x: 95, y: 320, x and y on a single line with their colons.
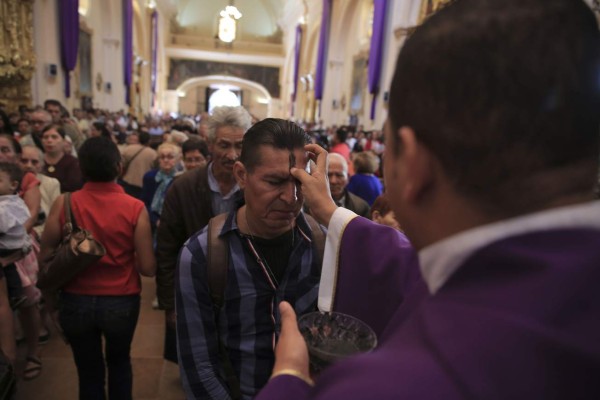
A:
x: 227, y: 23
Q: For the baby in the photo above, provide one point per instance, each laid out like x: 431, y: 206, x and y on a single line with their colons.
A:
x: 13, y: 237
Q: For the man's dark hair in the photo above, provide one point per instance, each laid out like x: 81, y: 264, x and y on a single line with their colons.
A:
x: 506, y: 95
x: 14, y: 172
x: 274, y: 132
x: 52, y: 102
x: 99, y: 159
x: 144, y: 137
x: 101, y: 127
x: 195, y: 144
x: 341, y: 134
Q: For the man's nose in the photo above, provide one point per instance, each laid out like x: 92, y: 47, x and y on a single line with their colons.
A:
x: 289, y: 192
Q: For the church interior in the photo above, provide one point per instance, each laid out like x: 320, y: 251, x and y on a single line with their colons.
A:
x: 320, y: 63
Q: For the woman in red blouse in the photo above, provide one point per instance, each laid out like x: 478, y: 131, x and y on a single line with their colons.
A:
x: 103, y: 302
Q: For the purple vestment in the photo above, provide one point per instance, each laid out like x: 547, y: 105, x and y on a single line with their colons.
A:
x: 519, y: 319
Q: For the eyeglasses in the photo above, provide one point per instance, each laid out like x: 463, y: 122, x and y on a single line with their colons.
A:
x: 166, y: 157
x: 33, y: 161
x: 194, y: 159
x: 37, y: 122
x: 5, y: 149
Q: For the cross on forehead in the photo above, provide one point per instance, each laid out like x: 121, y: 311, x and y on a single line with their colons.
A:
x: 292, y: 159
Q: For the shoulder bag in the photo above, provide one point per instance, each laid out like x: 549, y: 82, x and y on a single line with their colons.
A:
x: 77, y: 251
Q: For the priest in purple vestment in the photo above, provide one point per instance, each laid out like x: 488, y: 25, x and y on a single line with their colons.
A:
x: 491, y: 160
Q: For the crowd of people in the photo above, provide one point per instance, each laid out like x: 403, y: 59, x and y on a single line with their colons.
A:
x: 474, y: 263
x: 180, y: 173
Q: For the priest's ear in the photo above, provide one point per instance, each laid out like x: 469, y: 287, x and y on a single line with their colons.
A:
x: 418, y: 166
x: 240, y: 174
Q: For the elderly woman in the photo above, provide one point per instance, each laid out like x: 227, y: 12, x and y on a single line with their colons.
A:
x: 59, y: 165
x: 32, y: 160
x: 157, y: 181
x: 29, y: 315
x: 102, y: 303
x: 364, y: 183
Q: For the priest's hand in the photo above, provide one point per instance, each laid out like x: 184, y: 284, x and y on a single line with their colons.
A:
x: 291, y: 354
x: 315, y: 186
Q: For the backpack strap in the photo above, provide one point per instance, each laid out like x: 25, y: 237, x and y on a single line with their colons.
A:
x: 318, y: 236
x: 217, y: 258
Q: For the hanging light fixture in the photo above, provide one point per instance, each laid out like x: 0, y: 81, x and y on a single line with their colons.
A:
x: 227, y: 23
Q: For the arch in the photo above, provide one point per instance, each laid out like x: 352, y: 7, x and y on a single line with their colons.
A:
x: 232, y: 80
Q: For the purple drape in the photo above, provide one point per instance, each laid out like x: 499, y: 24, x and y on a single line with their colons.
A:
x: 322, y: 54
x: 376, y: 51
x: 154, y: 55
x: 69, y: 38
x: 297, y: 49
x: 127, y: 47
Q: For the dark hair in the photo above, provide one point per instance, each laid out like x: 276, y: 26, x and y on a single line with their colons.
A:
x: 144, y: 137
x: 505, y: 94
x: 58, y: 128
x: 14, y: 172
x: 99, y: 159
x: 7, y: 125
x: 195, y: 144
x: 101, y: 127
x: 341, y: 134
x: 275, y: 132
x: 52, y: 102
x: 381, y: 205
x: 15, y: 144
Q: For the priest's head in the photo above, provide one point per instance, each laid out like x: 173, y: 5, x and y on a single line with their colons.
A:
x: 493, y: 113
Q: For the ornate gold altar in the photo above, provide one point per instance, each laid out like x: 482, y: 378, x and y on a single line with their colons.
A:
x: 17, y: 58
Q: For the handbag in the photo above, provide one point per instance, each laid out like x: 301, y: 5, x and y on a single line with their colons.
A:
x: 77, y: 251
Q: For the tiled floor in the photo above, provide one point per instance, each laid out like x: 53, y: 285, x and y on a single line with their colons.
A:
x: 153, y: 378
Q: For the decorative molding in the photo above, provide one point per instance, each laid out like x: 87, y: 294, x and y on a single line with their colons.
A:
x: 17, y: 57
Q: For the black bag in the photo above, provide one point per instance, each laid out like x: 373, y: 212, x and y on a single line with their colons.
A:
x: 75, y: 253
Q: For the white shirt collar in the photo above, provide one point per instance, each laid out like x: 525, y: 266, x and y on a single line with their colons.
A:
x: 441, y: 259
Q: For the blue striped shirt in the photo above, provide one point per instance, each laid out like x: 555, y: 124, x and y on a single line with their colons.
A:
x: 249, y: 321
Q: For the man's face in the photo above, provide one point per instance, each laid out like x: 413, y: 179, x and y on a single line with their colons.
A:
x: 54, y: 111
x: 226, y: 149
x: 23, y: 127
x: 193, y: 159
x: 338, y: 178
x: 273, y: 199
x: 30, y: 160
x: 38, y: 122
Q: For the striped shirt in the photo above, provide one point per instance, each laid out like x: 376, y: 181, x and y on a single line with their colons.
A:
x: 249, y: 321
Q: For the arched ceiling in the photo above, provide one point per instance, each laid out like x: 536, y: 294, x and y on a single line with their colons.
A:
x: 258, y: 22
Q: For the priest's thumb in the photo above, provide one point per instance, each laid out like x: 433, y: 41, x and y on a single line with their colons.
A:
x: 288, y: 317
x: 291, y: 353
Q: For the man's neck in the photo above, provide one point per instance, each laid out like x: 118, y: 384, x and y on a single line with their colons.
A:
x: 225, y: 180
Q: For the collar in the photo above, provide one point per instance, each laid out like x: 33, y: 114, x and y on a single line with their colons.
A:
x: 214, y: 185
x: 441, y: 259
x: 103, y: 187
